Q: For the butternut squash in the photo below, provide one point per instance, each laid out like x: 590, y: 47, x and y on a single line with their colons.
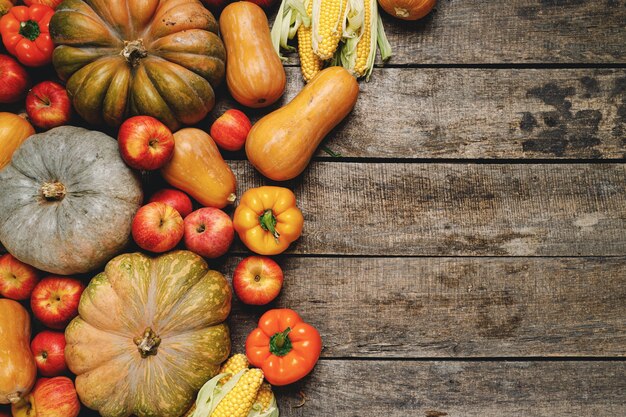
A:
x: 13, y: 131
x: 254, y: 73
x: 198, y: 169
x: 17, y: 365
x: 281, y: 144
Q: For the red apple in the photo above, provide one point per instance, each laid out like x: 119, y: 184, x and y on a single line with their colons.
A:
x: 173, y: 198
x: 257, y: 280
x: 14, y: 80
x: 157, y: 227
x: 145, y: 143
x: 209, y: 232
x: 48, y: 349
x: 55, y: 300
x: 51, y: 397
x: 48, y: 105
x: 230, y: 130
x: 17, y: 279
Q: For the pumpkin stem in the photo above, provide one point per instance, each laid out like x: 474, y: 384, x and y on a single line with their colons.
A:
x: 134, y: 51
x: 148, y: 344
x: 53, y: 191
x: 14, y: 397
x: 231, y: 198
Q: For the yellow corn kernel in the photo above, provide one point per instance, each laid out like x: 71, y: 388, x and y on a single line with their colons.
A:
x: 264, y: 396
x: 364, y: 47
x: 233, y: 365
x: 310, y: 64
x: 327, y: 26
x: 239, y: 401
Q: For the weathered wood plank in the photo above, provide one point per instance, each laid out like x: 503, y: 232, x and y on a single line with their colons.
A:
x: 478, y: 113
x: 480, y: 389
x: 453, y: 307
x: 471, y: 389
x: 457, y: 209
x: 461, y: 113
x: 513, y: 31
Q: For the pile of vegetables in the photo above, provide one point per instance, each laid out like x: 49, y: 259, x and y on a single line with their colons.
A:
x: 144, y: 333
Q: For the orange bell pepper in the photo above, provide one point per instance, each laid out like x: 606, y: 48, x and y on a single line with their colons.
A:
x: 26, y: 36
x: 283, y: 346
x: 267, y: 219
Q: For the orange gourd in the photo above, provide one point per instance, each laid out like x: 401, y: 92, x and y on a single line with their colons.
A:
x: 281, y: 144
x: 254, y: 73
x: 17, y: 365
x: 198, y: 169
x: 13, y: 131
x: 407, y: 9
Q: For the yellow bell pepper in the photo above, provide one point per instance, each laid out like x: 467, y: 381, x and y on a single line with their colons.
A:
x: 267, y: 219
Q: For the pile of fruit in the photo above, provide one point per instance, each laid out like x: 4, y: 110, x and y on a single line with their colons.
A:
x: 128, y: 316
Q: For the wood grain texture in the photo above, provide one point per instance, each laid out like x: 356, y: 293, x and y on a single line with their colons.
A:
x: 476, y: 389
x: 342, y: 388
x: 477, y: 113
x: 510, y: 32
x: 453, y: 307
x: 457, y: 209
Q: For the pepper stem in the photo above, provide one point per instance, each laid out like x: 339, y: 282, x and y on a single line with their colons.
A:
x: 148, y: 344
x: 268, y: 223
x: 280, y: 344
x: 30, y: 30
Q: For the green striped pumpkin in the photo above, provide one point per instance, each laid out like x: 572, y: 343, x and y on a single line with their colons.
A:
x: 149, y: 334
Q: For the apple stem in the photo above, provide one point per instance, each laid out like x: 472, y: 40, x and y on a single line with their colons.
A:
x: 53, y: 191
x: 42, y: 99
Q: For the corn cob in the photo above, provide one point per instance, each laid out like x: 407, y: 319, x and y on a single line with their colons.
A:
x: 327, y: 17
x: 264, y: 397
x: 310, y: 63
x: 364, y: 47
x: 238, y: 402
x: 233, y: 365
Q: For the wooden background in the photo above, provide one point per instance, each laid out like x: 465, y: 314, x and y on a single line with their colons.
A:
x: 466, y: 254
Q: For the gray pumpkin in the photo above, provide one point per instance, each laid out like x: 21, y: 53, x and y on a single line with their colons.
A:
x: 67, y: 201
